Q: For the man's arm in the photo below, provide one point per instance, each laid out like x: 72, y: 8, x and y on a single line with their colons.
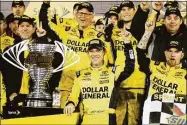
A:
x: 52, y: 29
x: 73, y: 98
x: 143, y: 61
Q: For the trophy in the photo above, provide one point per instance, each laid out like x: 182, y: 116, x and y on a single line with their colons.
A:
x: 39, y: 64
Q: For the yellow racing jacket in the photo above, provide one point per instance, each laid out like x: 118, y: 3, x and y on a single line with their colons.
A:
x: 166, y: 97
x: 5, y: 41
x: 95, y: 88
x: 137, y: 79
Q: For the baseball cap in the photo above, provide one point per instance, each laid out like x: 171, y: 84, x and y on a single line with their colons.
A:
x: 174, y: 44
x: 96, y: 43
x: 25, y: 18
x: 171, y: 4
x: 2, y: 16
x: 114, y: 8
x: 13, y: 18
x: 111, y: 13
x: 14, y: 3
x: 173, y: 11
x: 100, y: 22
x: 86, y: 5
x: 129, y: 4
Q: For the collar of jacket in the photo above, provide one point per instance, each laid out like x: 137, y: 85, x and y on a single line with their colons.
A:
x: 167, y: 67
x: 100, y: 68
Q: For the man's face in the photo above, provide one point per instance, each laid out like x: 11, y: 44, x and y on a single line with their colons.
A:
x: 113, y: 20
x: 26, y: 30
x: 84, y: 17
x: 14, y: 26
x: 2, y: 27
x: 172, y: 23
x: 18, y: 10
x: 100, y: 28
x: 96, y: 56
x: 127, y: 14
x: 173, y: 56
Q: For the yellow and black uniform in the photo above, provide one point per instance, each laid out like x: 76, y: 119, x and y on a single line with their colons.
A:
x: 76, y: 40
x: 95, y: 86
x: 5, y: 41
x: 166, y: 88
x: 132, y: 89
x: 3, y: 95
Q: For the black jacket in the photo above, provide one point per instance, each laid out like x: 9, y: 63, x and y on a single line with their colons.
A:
x: 161, y: 41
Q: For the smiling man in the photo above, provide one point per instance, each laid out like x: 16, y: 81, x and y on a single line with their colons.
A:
x: 94, y: 86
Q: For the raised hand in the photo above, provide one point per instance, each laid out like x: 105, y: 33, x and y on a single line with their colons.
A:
x: 40, y: 31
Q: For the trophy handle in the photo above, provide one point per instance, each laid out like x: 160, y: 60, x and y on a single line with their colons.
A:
x: 13, y: 53
x: 69, y: 57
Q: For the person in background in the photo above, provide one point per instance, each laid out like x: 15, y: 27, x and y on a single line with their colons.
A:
x: 5, y: 40
x: 95, y: 86
x: 99, y: 25
x: 18, y: 9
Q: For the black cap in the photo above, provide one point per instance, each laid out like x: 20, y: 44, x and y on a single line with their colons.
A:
x: 114, y: 8
x: 173, y: 11
x: 100, y: 22
x: 86, y: 5
x: 76, y: 5
x: 14, y: 3
x: 129, y: 4
x: 174, y: 44
x: 25, y: 18
x: 111, y: 13
x: 12, y: 18
x: 2, y: 16
x: 171, y: 4
x: 96, y: 43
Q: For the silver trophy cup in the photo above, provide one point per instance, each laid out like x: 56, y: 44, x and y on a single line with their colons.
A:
x: 39, y: 64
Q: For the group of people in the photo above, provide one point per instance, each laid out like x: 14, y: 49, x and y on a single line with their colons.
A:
x: 130, y: 60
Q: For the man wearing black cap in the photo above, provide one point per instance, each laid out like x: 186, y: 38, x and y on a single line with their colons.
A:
x: 76, y: 38
x: 95, y: 85
x: 18, y: 9
x: 166, y: 83
x: 5, y: 40
x: 173, y: 28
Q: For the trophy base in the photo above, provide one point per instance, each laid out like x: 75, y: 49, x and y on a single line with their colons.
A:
x: 39, y: 99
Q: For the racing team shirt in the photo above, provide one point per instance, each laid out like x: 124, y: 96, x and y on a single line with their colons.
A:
x: 95, y: 86
x: 166, y: 102
x: 137, y: 79
x: 5, y: 41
